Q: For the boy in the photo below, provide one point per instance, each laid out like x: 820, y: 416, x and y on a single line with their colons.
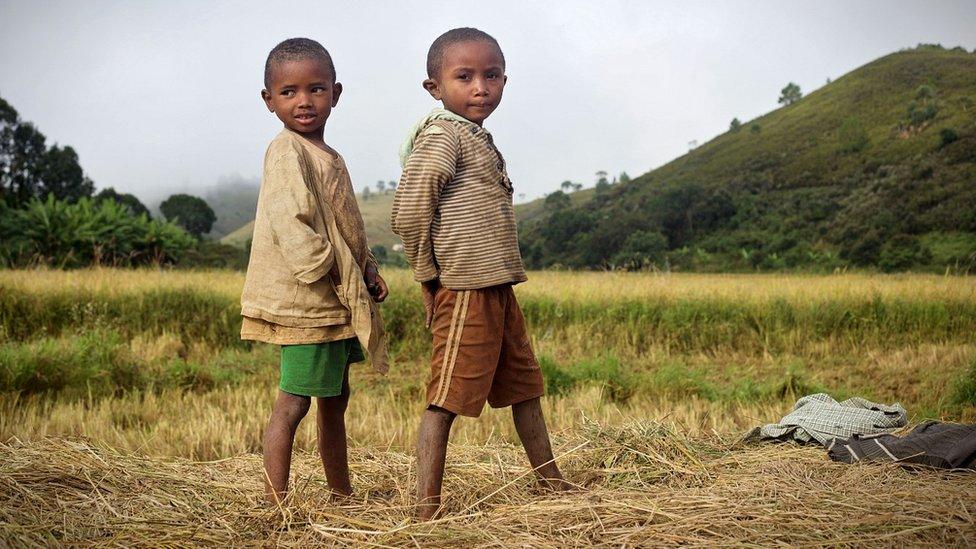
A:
x: 311, y: 280
x: 453, y: 210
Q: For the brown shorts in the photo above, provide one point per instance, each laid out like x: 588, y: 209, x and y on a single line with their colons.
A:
x: 481, y: 352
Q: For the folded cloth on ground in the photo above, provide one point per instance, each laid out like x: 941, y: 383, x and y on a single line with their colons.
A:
x: 942, y: 445
x: 821, y: 418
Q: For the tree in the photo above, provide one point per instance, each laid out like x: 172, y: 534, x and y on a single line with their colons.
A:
x: 61, y: 175
x: 129, y: 201
x: 566, y: 186
x: 790, y: 94
x: 366, y: 193
x: 642, y: 248
x: 29, y: 169
x: 735, y: 125
x: 392, y: 185
x: 755, y: 127
x: 577, y: 187
x: 190, y: 212
x: 20, y: 158
x: 601, y: 176
x: 381, y: 186
x: 564, y: 233
x: 557, y: 200
x: 624, y: 178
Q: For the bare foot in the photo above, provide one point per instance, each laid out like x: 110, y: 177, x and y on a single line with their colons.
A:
x: 340, y: 498
x: 558, y: 485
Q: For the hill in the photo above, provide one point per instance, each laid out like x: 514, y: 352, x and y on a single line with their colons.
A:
x: 376, y: 214
x: 874, y: 169
x: 233, y: 200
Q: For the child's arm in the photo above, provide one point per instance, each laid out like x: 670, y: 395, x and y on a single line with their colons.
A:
x: 430, y: 166
x: 292, y: 210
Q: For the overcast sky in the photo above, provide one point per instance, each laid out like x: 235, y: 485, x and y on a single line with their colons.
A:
x: 164, y: 96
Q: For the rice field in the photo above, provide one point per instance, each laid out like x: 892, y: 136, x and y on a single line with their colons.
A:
x: 131, y: 414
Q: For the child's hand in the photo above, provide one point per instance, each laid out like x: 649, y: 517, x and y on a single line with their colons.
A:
x: 428, y: 290
x: 376, y: 285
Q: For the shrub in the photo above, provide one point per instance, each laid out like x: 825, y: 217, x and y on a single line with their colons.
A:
x: 852, y: 136
x: 214, y: 255
x: 60, y: 234
x: 921, y: 112
x: 947, y: 135
x: 557, y: 200
x: 642, y: 249
x: 902, y: 252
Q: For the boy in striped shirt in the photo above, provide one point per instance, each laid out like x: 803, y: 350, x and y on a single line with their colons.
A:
x: 453, y: 210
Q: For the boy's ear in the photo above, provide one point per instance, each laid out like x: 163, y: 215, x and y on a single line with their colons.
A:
x: 266, y: 95
x: 432, y: 88
x: 336, y: 92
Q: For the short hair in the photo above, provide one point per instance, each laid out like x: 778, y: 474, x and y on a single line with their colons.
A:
x: 435, y: 55
x: 297, y: 49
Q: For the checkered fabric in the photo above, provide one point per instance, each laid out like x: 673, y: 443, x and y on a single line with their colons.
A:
x: 821, y: 418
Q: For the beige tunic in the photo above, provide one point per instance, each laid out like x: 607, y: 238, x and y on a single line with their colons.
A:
x: 308, y: 241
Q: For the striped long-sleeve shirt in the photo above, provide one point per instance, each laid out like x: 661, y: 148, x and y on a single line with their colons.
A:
x: 453, y: 209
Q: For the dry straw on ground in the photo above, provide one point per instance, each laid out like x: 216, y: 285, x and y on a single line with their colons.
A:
x: 644, y: 485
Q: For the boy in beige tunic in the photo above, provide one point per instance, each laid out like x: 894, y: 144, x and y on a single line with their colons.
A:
x: 453, y: 210
x: 311, y: 281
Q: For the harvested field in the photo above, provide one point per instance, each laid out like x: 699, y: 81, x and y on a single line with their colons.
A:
x: 131, y: 414
x: 642, y: 485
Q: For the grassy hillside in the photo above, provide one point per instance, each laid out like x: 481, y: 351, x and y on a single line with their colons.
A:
x: 874, y: 169
x: 376, y: 214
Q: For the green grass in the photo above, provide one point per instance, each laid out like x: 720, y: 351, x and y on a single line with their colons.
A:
x: 102, y: 362
x: 676, y: 379
x: 685, y: 325
x: 964, y: 391
x: 721, y: 340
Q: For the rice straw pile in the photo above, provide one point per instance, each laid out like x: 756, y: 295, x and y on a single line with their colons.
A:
x: 643, y: 484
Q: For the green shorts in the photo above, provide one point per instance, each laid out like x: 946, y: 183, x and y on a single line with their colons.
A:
x: 317, y: 370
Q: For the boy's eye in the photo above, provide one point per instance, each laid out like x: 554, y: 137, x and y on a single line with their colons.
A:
x: 288, y: 93
x: 318, y: 89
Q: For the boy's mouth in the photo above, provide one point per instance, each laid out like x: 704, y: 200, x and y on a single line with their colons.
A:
x: 305, y: 118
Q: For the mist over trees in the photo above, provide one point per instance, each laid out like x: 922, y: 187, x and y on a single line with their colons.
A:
x: 49, y: 216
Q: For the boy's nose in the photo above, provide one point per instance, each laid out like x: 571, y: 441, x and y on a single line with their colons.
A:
x: 480, y: 86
